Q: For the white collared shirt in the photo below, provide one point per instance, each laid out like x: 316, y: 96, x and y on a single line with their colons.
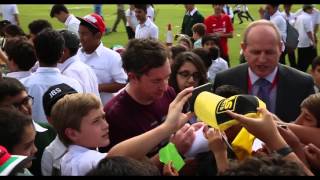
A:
x: 39, y: 82
x: 78, y: 161
x: 147, y: 30
x: 78, y: 70
x: 72, y: 24
x: 8, y: 11
x: 280, y: 22
x: 107, y: 65
x: 51, y: 157
x: 291, y: 18
x: 131, y: 15
x: 304, y: 25
x: 19, y: 74
x: 191, y: 13
x: 150, y: 12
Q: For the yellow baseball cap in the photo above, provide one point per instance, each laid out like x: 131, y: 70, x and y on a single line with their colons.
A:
x: 211, y: 108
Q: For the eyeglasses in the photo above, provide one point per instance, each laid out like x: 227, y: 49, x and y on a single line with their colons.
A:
x: 186, y: 74
x: 25, y: 101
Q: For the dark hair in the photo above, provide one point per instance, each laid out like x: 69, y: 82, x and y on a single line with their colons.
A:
x: 141, y: 6
x: 213, y: 38
x: 204, y: 54
x: 12, y: 124
x: 199, y: 28
x: 124, y: 166
x: 57, y: 8
x: 141, y: 55
x: 315, y: 62
x: 3, y: 24
x: 21, y: 52
x: 228, y: 91
x: 49, y: 45
x: 10, y: 87
x: 37, y: 26
x: 271, y: 165
x: 180, y: 60
x: 177, y: 49
x: 13, y: 30
x: 312, y: 104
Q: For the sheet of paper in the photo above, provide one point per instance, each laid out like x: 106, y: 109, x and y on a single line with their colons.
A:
x: 199, y: 145
x: 257, y: 144
x: 170, y: 153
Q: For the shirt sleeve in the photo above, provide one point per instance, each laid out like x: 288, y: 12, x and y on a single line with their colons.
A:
x: 229, y: 27
x: 46, y: 163
x: 15, y: 10
x: 117, y: 72
x: 154, y: 33
x: 307, y: 25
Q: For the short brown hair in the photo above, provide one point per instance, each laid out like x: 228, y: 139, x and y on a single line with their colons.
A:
x: 312, y: 104
x: 69, y: 111
x: 199, y: 28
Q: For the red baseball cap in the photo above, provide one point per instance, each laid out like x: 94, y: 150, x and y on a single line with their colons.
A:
x: 93, y: 20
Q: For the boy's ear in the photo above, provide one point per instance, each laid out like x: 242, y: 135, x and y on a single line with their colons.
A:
x: 72, y: 134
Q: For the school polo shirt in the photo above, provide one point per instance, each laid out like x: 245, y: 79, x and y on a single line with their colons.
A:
x: 51, y: 158
x: 8, y: 11
x: 128, y: 118
x: 220, y: 23
x: 19, y: 74
x: 107, y: 65
x: 278, y: 20
x: 303, y: 25
x: 39, y: 82
x: 76, y: 69
x: 72, y: 24
x: 147, y: 30
x: 78, y: 161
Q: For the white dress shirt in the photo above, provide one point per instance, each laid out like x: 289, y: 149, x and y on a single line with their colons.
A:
x: 8, y: 11
x: 280, y: 22
x: 19, y: 74
x: 39, y: 82
x: 107, y: 66
x: 78, y: 70
x: 147, y: 30
x: 72, y: 24
x: 51, y: 157
x: 304, y: 25
x: 78, y: 161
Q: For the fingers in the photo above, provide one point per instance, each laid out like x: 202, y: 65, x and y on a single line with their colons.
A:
x: 197, y: 125
x: 313, y: 148
x: 187, y: 117
x: 183, y: 94
x: 242, y: 119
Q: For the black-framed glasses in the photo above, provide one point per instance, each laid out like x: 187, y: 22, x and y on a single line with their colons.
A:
x: 186, y: 74
x: 25, y: 101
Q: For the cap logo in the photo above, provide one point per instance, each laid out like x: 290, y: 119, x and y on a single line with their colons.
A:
x: 227, y: 104
x: 55, y: 92
x: 91, y: 18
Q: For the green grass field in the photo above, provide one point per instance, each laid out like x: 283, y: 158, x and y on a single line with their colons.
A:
x: 165, y: 14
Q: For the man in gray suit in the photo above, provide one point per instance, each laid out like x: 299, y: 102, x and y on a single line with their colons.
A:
x: 281, y: 87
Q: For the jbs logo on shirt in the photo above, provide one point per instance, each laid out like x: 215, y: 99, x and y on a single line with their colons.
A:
x: 55, y: 92
x: 227, y: 104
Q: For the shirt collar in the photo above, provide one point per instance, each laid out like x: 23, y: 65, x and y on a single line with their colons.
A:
x: 146, y: 23
x: 277, y: 13
x: 98, y: 51
x: 59, y: 149
x: 48, y: 70
x: 19, y: 74
x: 38, y: 128
x: 270, y: 77
x: 62, y: 67
x: 191, y: 13
x: 68, y: 20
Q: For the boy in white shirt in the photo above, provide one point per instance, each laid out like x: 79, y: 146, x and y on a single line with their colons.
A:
x: 81, y: 125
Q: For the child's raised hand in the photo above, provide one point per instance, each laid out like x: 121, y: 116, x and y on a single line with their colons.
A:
x: 313, y: 155
x: 215, y: 141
